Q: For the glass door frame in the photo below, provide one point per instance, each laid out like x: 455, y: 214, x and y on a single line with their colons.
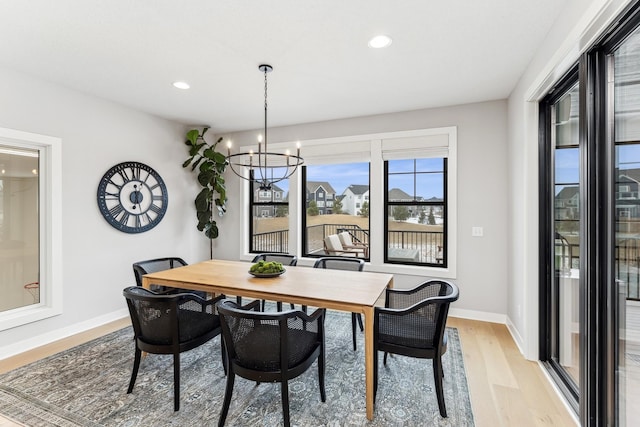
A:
x: 549, y: 307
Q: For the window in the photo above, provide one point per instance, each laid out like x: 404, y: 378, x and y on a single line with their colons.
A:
x: 321, y: 219
x: 269, y: 226
x: 349, y: 172
x: 30, y: 185
x: 416, y: 207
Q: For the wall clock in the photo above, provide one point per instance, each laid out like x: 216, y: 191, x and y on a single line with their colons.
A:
x: 132, y: 197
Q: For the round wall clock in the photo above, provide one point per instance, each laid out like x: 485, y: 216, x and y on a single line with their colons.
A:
x: 132, y: 197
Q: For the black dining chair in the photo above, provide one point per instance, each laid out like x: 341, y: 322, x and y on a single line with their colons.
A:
x: 412, y: 323
x: 170, y: 324
x: 141, y: 268
x: 271, y: 347
x: 342, y: 263
x: 284, y: 259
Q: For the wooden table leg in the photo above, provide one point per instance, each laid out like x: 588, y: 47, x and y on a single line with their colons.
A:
x: 368, y: 359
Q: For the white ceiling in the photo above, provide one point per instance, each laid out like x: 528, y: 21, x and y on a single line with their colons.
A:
x: 443, y: 53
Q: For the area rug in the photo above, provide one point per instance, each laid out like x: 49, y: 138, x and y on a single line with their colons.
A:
x: 86, y: 386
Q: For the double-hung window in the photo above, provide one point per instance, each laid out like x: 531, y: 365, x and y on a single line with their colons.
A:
x: 416, y: 211
x: 269, y: 224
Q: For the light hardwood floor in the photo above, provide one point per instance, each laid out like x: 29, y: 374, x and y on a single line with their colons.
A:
x: 506, y: 389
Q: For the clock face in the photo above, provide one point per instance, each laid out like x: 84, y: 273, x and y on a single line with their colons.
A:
x: 132, y: 197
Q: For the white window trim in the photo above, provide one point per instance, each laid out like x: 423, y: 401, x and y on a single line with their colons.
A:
x: 433, y: 142
x: 50, y: 202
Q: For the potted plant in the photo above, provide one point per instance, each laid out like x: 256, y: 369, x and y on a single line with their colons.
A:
x: 211, y: 165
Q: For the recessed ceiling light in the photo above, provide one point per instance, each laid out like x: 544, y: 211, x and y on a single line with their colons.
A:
x: 181, y: 85
x: 380, y: 41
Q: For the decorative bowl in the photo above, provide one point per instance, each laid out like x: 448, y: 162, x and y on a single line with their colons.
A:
x: 265, y: 275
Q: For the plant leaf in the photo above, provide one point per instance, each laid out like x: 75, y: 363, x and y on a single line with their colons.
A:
x: 195, y: 165
x: 192, y: 136
x: 202, y: 200
x: 219, y: 158
x: 205, y: 177
x: 212, y: 231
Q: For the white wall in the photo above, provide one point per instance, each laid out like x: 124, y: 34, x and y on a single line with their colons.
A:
x: 573, y: 32
x: 97, y: 134
x: 482, y: 189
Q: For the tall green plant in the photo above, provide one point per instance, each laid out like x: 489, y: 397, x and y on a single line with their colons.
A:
x: 211, y: 165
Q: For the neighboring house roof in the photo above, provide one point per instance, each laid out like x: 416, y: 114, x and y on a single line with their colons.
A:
x: 312, y: 186
x: 397, y: 194
x: 357, y: 189
x: 568, y: 193
x: 633, y: 174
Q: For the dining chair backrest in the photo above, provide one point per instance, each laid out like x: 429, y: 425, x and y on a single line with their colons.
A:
x: 141, y: 268
x: 340, y: 263
x: 284, y: 259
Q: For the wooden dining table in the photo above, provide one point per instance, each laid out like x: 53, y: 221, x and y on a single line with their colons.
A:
x: 352, y: 291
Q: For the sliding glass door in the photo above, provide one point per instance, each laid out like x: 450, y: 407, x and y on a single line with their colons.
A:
x: 626, y: 93
x: 590, y: 229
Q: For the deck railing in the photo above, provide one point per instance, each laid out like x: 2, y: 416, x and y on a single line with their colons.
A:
x: 626, y: 262
x: 271, y: 241
x: 426, y: 243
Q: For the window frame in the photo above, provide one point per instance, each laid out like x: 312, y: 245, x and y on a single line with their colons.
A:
x: 50, y: 218
x: 389, y: 204
x: 270, y: 205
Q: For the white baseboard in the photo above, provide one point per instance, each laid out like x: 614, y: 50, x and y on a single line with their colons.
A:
x: 517, y: 338
x: 49, y: 337
x: 477, y: 315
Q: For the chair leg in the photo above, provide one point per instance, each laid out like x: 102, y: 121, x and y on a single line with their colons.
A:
x: 239, y: 300
x: 437, y: 379
x: 353, y: 330
x: 227, y: 398
x: 176, y: 381
x: 385, y: 358
x: 359, y: 317
x: 285, y: 402
x: 223, y: 351
x: 321, y: 369
x: 134, y: 373
x: 279, y: 305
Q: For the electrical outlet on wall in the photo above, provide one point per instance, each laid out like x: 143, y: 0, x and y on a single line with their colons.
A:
x: 477, y: 231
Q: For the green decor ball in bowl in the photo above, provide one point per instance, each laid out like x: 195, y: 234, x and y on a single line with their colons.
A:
x: 266, y: 269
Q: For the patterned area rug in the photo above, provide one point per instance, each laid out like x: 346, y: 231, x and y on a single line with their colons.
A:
x: 86, y: 386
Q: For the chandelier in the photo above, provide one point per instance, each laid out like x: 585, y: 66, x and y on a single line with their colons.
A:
x: 264, y: 168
